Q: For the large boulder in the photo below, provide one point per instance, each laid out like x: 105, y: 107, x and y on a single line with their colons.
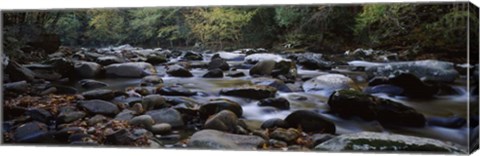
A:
x: 253, y: 92
x: 349, y: 103
x: 327, y: 84
x: 262, y: 68
x: 167, y: 115
x: 130, y: 69
x: 192, y: 56
x: 88, y: 69
x: 310, y: 121
x: 373, y: 141
x: 17, y: 72
x: 426, y: 70
x: 213, y: 139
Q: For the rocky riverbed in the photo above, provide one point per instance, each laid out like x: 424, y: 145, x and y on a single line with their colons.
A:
x: 249, y: 99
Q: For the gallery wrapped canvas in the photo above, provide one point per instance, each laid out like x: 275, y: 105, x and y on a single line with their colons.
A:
x: 373, y: 77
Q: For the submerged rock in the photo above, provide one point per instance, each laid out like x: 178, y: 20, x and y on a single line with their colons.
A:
x: 372, y: 141
x: 213, y: 139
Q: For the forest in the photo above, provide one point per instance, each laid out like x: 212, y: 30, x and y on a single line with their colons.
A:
x: 386, y: 77
x: 430, y: 28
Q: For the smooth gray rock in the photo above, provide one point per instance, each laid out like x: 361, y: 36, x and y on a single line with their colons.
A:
x: 130, y: 69
x: 167, y: 115
x: 99, y: 107
x: 213, y: 139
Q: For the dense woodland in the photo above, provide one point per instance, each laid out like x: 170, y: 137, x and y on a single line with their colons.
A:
x: 427, y: 28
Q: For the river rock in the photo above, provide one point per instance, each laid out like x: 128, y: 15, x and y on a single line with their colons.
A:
x: 384, y: 88
x: 253, y: 92
x: 39, y: 114
x: 274, y: 123
x: 327, y: 84
x: 175, y: 91
x: 19, y: 87
x: 154, y: 101
x: 312, y: 61
x: 125, y: 115
x: 216, y: 105
x: 91, y: 84
x: 263, y: 68
x: 88, y: 69
x: 426, y: 70
x: 280, y: 103
x: 96, y: 119
x: 31, y: 132
x: 162, y: 128
x: 373, y: 141
x: 192, y: 56
x: 254, y: 58
x: 287, y: 135
x: 102, y: 94
x: 213, y: 139
x: 120, y: 137
x: 64, y: 66
x: 390, y: 113
x: 151, y: 80
x: 67, y: 117
x: 156, y: 59
x: 167, y: 115
x: 178, y: 71
x: 413, y: 86
x: 214, y: 73
x: 17, y: 72
x: 321, y: 138
x: 272, y: 82
x: 310, y: 121
x: 99, y: 107
x: 224, y: 120
x: 145, y: 121
x: 348, y: 103
x: 130, y: 69
x: 108, y: 60
x: 449, y: 122
x: 219, y: 63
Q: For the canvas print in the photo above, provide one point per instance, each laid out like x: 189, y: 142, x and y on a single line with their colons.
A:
x: 375, y: 77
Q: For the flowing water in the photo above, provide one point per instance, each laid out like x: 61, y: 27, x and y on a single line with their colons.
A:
x: 208, y: 88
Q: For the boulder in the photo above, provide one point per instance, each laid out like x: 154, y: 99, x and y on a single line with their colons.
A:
x: 88, y: 69
x: 274, y: 123
x: 99, y: 107
x: 108, y: 60
x: 216, y: 105
x: 219, y: 63
x: 67, y: 117
x: 162, y: 128
x: 31, y: 132
x: 310, y: 121
x: 252, y: 92
x: 178, y: 71
x: 154, y: 101
x: 167, y: 115
x: 213, y: 139
x: 175, y: 91
x: 130, y: 69
x: 426, y: 70
x: 287, y: 135
x: 156, y: 59
x: 151, y: 80
x: 327, y: 84
x: 373, y: 141
x: 19, y: 87
x: 224, y: 120
x: 231, y: 56
x: 192, y: 56
x: 262, y: 68
x: 214, y: 73
x: 144, y: 121
x: 17, y: 72
x: 348, y: 103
